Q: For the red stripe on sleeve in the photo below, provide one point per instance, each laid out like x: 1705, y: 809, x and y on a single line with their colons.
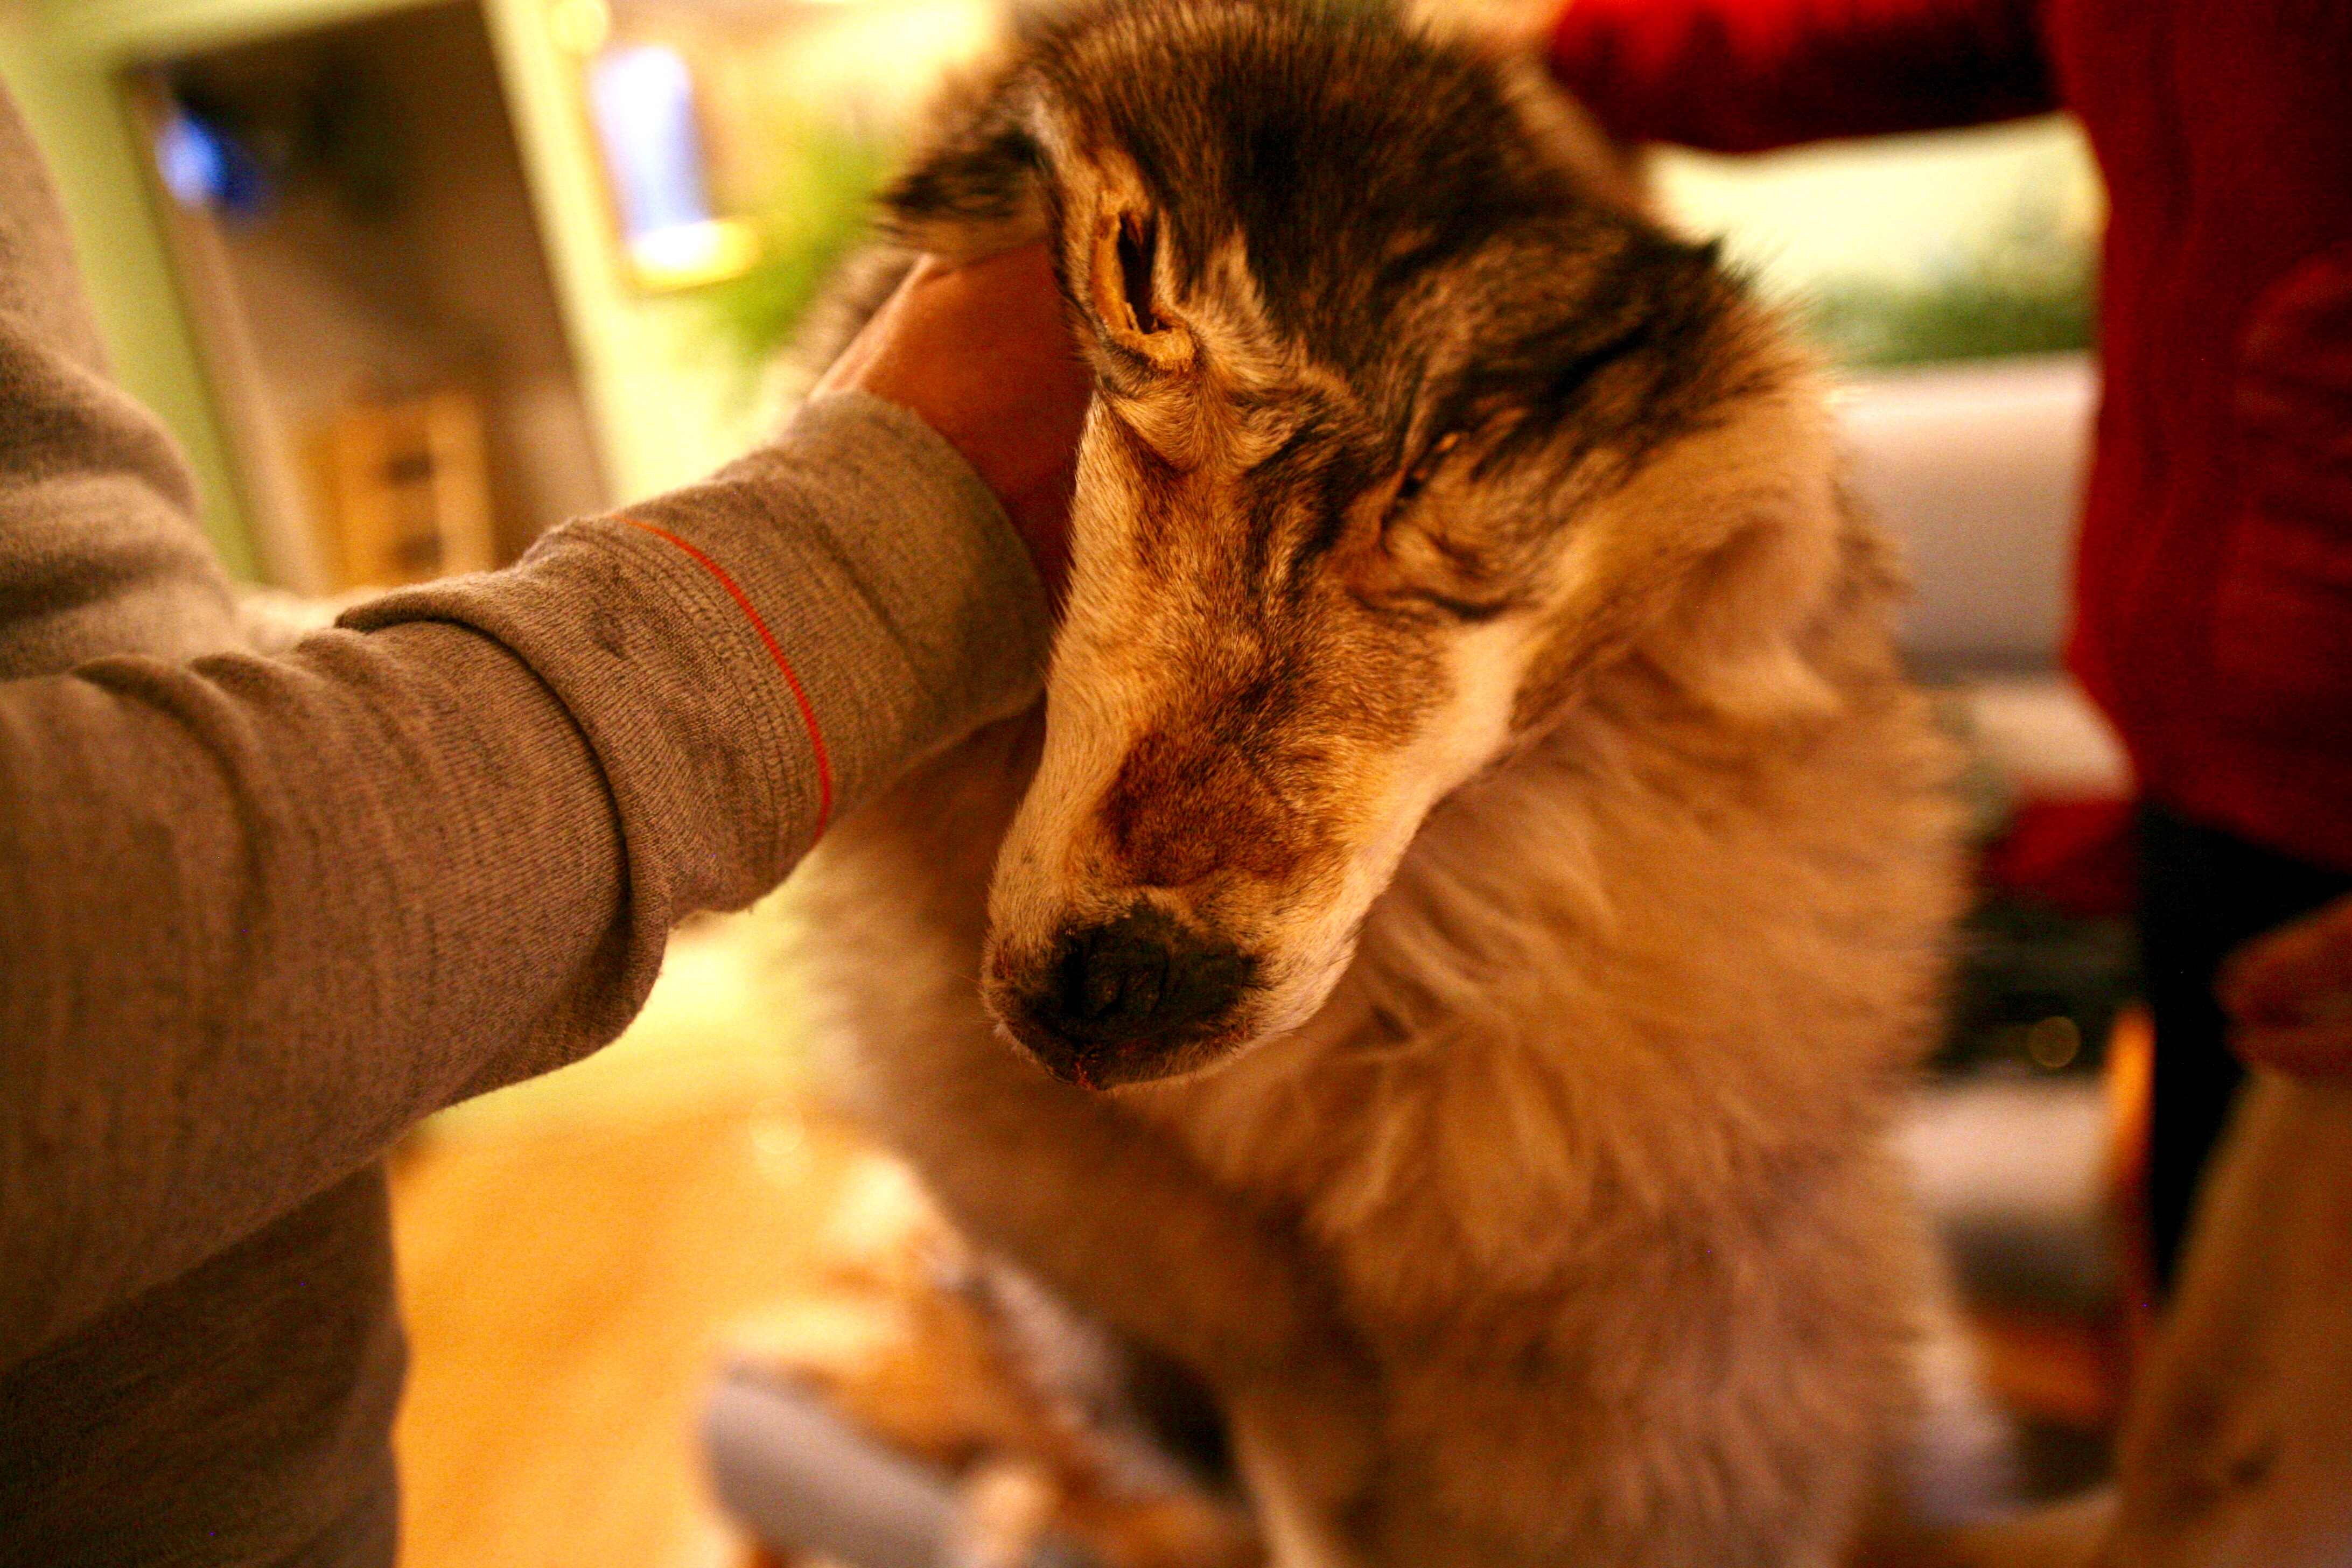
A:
x: 799, y: 693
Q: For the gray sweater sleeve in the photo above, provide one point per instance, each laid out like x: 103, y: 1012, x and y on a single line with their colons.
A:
x: 259, y: 915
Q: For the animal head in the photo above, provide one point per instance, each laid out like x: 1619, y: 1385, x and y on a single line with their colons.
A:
x: 1405, y: 429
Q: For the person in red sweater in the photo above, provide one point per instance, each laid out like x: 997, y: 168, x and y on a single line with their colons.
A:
x: 2213, y: 579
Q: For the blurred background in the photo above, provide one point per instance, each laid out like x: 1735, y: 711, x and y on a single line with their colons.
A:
x: 412, y: 282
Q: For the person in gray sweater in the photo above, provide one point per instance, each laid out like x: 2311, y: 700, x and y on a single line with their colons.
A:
x: 261, y: 912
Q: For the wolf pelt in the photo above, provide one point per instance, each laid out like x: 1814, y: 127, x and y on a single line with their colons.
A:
x: 1443, y: 961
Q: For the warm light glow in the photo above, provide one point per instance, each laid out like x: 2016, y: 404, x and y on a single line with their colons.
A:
x: 579, y: 27
x: 687, y: 254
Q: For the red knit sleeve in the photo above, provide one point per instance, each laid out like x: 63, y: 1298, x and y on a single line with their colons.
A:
x: 1741, y: 76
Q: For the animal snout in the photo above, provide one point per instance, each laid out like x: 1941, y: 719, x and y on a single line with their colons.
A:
x: 1117, y: 1002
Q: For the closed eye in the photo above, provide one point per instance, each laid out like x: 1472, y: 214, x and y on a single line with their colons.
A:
x: 1424, y: 470
x: 1473, y: 611
x: 1418, y: 604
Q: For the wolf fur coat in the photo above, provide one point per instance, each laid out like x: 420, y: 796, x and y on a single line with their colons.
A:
x: 1442, y: 963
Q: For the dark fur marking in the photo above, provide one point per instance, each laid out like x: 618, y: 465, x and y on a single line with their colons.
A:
x: 1180, y: 812
x: 1309, y: 130
x: 1636, y: 365
x: 1308, y: 487
x: 983, y: 175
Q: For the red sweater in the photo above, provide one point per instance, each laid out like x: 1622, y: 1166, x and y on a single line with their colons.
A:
x: 2214, y: 581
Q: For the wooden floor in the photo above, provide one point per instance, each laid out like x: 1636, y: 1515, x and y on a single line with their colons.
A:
x: 575, y: 1256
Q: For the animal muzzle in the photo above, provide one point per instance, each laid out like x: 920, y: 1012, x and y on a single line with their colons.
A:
x: 1137, y: 997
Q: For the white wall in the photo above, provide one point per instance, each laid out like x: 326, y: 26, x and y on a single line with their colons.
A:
x: 1891, y: 209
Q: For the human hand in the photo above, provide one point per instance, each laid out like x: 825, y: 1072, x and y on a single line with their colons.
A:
x: 981, y: 354
x: 2289, y: 995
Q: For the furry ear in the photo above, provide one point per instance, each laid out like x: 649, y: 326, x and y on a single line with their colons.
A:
x: 978, y: 189
x: 1118, y: 264
x: 1750, y: 521
x: 1737, y: 650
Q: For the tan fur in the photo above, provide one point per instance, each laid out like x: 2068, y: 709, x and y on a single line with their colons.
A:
x: 1588, y: 860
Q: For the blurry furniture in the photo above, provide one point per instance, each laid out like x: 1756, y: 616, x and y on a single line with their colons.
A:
x: 350, y: 227
x: 407, y: 490
x: 453, y: 216
x: 1977, y: 468
x: 2025, y: 1135
x: 430, y: 211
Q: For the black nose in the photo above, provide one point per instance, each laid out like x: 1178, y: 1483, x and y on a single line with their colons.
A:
x: 1133, y: 987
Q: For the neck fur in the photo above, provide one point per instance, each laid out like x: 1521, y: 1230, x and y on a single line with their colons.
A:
x: 1632, y: 971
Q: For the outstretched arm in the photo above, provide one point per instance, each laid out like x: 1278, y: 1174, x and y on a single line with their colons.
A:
x: 258, y: 915
x: 1743, y: 76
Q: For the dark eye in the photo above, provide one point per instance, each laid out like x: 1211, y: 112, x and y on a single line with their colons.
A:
x: 1416, y: 480
x: 1138, y: 241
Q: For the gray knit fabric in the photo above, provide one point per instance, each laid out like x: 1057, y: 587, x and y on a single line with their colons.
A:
x: 259, y: 915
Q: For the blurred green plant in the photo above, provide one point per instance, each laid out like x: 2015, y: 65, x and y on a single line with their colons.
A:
x: 820, y: 207
x: 2031, y: 289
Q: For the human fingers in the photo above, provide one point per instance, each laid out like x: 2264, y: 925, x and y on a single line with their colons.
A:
x: 2307, y: 1050
x: 2289, y: 993
x: 981, y: 352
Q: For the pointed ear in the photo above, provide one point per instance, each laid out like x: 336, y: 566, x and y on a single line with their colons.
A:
x: 1119, y: 263
x: 1738, y: 650
x: 1751, y: 532
x: 979, y: 188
